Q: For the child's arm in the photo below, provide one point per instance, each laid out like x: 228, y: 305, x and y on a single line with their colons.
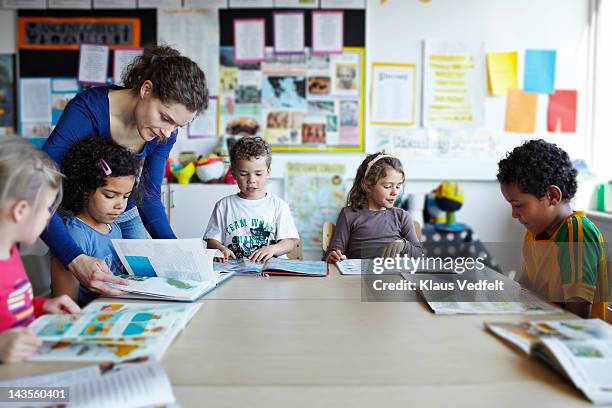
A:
x: 342, y: 232
x: 412, y: 246
x: 214, y: 244
x: 282, y: 247
x: 61, y: 305
x: 62, y: 281
x: 18, y: 344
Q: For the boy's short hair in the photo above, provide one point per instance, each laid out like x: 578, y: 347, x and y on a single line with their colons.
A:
x: 249, y: 147
x: 536, y: 165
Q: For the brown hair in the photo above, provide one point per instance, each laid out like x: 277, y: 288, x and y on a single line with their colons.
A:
x: 248, y: 147
x: 175, y: 78
x: 358, y: 196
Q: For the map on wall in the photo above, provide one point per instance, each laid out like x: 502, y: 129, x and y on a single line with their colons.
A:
x: 295, y: 102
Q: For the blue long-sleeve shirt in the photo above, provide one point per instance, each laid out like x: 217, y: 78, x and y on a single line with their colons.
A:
x: 87, y: 115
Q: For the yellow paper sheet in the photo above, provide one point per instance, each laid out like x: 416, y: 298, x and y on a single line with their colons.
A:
x: 502, y: 72
x: 521, y: 111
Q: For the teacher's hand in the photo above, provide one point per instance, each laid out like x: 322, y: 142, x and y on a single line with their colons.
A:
x: 93, y: 273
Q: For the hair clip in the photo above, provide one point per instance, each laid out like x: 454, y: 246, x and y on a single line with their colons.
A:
x: 371, y: 163
x: 105, y: 167
x: 38, y: 164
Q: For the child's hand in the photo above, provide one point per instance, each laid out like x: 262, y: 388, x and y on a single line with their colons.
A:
x: 262, y: 254
x: 393, y: 248
x: 335, y: 256
x: 18, y: 344
x: 227, y: 254
x: 61, y: 304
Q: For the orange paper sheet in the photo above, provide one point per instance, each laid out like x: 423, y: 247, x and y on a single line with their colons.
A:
x: 521, y: 110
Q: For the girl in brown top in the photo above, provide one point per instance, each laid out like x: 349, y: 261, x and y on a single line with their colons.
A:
x: 369, y: 226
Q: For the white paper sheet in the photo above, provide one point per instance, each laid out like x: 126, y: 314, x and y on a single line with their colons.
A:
x: 35, y: 100
x: 121, y: 59
x: 251, y: 3
x: 93, y: 63
x: 111, y: 4
x: 289, y: 33
x: 249, y: 40
x: 205, y: 124
x: 70, y: 4
x: 195, y: 33
x: 454, y: 86
x: 205, y: 3
x: 327, y: 32
x: 393, y: 94
x: 25, y: 4
x: 296, y: 3
x: 343, y: 4
x: 159, y: 3
x: 168, y: 258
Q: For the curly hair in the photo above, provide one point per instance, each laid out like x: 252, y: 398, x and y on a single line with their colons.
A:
x: 536, y: 165
x: 358, y: 196
x: 249, y: 147
x: 175, y: 78
x: 83, y: 170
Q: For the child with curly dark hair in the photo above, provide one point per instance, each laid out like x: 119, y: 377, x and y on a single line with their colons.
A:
x: 253, y: 224
x: 563, y: 251
x: 100, y: 178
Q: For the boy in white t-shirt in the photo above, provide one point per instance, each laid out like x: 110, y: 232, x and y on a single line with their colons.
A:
x: 251, y: 224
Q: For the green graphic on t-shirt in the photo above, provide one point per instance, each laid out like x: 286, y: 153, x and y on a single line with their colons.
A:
x: 254, y: 235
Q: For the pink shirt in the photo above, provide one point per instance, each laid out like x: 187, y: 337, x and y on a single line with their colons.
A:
x: 18, y: 306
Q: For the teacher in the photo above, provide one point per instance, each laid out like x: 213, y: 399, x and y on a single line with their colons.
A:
x: 162, y: 91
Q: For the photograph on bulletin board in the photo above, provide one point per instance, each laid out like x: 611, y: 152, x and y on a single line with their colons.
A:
x: 298, y: 103
x: 7, y: 93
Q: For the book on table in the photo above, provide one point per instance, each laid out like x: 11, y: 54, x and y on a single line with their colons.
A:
x: 133, y: 383
x: 274, y: 266
x: 111, y: 331
x: 167, y: 269
x: 581, y: 350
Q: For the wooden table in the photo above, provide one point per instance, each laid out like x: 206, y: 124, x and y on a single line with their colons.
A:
x: 304, y: 342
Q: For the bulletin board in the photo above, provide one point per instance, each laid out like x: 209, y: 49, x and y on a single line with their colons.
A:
x: 396, y: 31
x: 298, y: 103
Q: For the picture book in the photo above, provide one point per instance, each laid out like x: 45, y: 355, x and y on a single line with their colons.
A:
x: 111, y: 331
x: 167, y: 269
x: 274, y: 266
x: 133, y: 383
x: 581, y: 350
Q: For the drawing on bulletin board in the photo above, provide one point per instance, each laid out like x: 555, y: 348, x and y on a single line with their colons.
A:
x: 67, y: 33
x: 297, y: 103
x: 7, y: 94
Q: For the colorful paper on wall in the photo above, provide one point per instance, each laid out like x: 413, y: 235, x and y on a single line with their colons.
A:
x: 453, y: 84
x: 521, y: 110
x: 502, y: 69
x: 562, y: 111
x: 540, y: 71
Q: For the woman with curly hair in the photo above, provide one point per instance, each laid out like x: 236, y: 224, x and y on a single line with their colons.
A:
x: 100, y: 178
x: 162, y: 91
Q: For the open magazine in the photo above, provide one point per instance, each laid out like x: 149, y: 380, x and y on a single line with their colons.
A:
x: 167, y: 269
x: 111, y: 331
x: 133, y: 383
x: 579, y: 349
x: 274, y: 266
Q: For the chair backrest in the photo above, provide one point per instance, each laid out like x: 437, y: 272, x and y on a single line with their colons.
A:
x: 328, y: 234
x: 297, y: 253
x: 417, y: 229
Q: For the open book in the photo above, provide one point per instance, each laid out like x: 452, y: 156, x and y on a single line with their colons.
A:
x: 133, y: 383
x: 581, y: 350
x: 167, y: 269
x: 275, y: 266
x: 111, y: 331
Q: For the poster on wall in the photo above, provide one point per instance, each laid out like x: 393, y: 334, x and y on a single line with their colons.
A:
x: 296, y: 102
x: 454, y: 84
x: 7, y: 94
x: 316, y: 192
x: 393, y: 94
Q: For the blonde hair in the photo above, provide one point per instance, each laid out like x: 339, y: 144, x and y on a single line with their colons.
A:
x: 25, y: 172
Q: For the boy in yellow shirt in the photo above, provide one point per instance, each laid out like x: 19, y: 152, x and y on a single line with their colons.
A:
x: 563, y: 252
